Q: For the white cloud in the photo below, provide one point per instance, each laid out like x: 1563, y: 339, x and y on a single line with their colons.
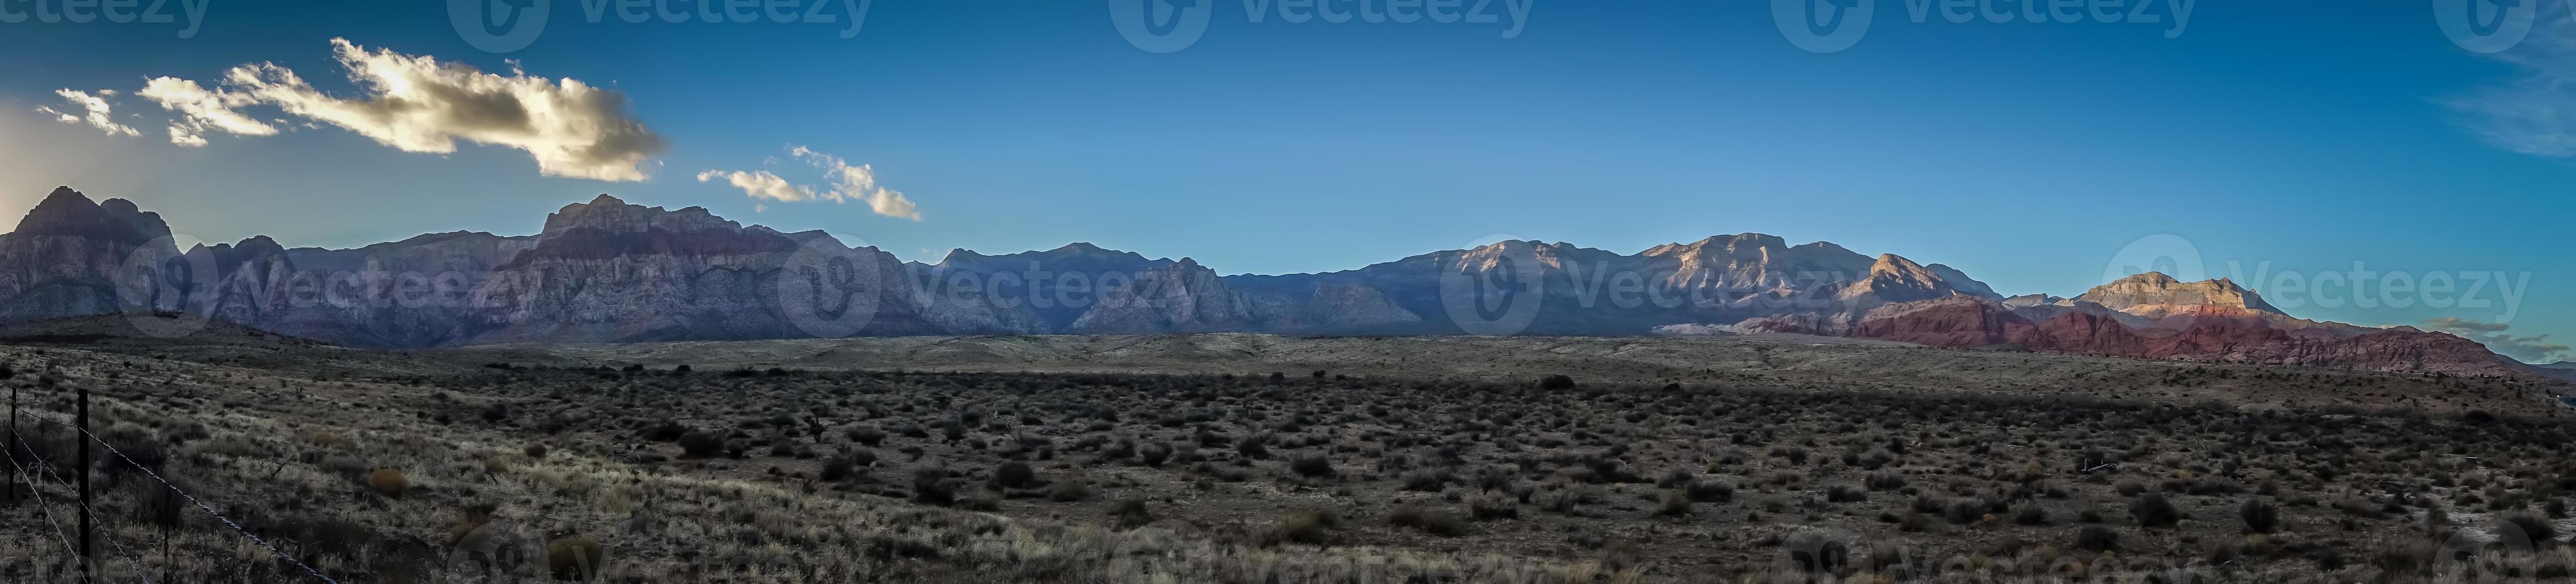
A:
x: 99, y: 114
x: 760, y: 184
x: 200, y: 109
x: 185, y: 138
x: 849, y: 183
x: 419, y: 104
x: 2535, y: 112
x: 58, y: 116
x: 858, y: 183
x: 890, y: 203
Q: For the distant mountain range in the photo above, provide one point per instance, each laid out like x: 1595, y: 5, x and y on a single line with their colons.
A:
x: 609, y: 271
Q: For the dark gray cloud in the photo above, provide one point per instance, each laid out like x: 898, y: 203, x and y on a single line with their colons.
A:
x: 2528, y: 349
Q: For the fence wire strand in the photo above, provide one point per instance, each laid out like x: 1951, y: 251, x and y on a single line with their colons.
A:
x: 192, y: 499
x: 57, y: 479
x: 40, y: 500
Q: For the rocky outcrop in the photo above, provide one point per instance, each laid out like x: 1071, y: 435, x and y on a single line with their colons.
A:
x: 612, y: 271
x: 1953, y: 321
x: 1030, y: 292
x: 63, y: 258
x: 1184, y: 297
x: 1894, y: 279
x: 1314, y: 306
x: 2217, y: 333
x: 2154, y: 295
x: 1960, y: 281
x: 427, y: 290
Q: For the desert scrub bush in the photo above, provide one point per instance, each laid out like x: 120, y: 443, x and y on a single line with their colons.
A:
x: 1015, y: 475
x: 1886, y: 481
x: 575, y: 558
x: 1845, y: 494
x: 1492, y: 506
x: 1254, y: 446
x: 984, y: 500
x: 2260, y: 516
x: 1914, y: 522
x: 1965, y: 511
x: 1131, y: 513
x: 345, y: 465
x: 2031, y: 514
x: 702, y: 444
x: 1710, y: 491
x: 1069, y: 491
x: 1427, y: 520
x: 930, y: 486
x: 1426, y: 480
x: 1673, y: 503
x: 666, y: 431
x: 2097, y: 538
x: 2153, y: 510
x: 1564, y: 501
x: 1311, y: 465
x: 1154, y: 453
x: 838, y: 469
x: 1676, y: 478
x: 2538, y: 528
x: 1305, y: 526
x: 2362, y: 508
x: 388, y: 482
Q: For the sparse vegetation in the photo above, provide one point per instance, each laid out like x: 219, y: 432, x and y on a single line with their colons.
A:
x: 388, y: 482
x: 1598, y: 481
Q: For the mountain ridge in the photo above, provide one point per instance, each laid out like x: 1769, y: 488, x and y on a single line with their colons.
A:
x: 610, y: 271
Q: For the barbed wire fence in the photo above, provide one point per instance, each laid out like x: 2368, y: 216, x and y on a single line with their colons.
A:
x: 27, y: 466
x: 47, y: 470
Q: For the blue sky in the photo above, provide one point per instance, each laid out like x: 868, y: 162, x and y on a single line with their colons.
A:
x: 2029, y: 155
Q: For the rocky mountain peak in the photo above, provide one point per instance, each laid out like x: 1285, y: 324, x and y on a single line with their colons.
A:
x: 2157, y: 292
x: 1896, y: 265
x: 69, y: 213
x: 1892, y: 278
x: 1747, y: 244
x: 612, y: 215
x: 255, y: 245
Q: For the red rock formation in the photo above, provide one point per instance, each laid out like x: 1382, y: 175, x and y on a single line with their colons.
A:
x: 1955, y: 321
x: 2214, y: 333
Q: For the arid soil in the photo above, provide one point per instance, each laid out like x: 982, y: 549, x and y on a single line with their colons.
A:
x: 1112, y: 459
x: 1769, y: 360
